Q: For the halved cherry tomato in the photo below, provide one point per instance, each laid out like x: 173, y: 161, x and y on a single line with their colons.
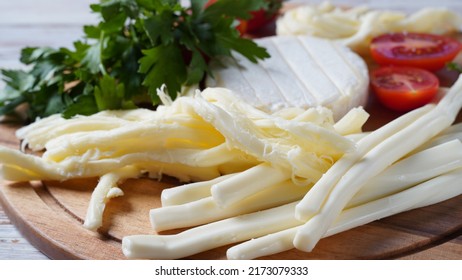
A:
x: 421, y: 50
x: 404, y: 88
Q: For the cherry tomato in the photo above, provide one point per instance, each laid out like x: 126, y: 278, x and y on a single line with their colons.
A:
x: 242, y: 24
x: 258, y: 18
x: 404, y: 88
x: 421, y: 50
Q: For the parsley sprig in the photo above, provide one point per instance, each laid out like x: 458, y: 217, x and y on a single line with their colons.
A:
x: 138, y: 46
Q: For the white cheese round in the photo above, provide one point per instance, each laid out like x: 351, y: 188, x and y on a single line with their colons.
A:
x: 302, y: 72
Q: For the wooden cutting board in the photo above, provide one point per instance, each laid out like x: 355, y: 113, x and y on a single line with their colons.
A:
x: 50, y: 215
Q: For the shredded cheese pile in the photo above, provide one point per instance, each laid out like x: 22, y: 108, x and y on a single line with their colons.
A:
x: 192, y: 138
x: 271, y: 181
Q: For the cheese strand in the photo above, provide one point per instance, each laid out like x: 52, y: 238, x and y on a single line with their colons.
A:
x: 100, y: 195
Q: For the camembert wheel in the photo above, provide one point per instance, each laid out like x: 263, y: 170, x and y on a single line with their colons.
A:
x: 302, y: 72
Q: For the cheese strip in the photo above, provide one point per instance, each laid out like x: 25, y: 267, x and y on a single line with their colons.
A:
x: 352, y: 122
x: 43, y: 130
x: 247, y: 183
x: 209, y: 236
x: 20, y: 167
x: 190, y: 192
x: 100, y: 195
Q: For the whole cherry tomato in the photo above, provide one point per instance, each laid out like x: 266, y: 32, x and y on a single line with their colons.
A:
x: 258, y: 18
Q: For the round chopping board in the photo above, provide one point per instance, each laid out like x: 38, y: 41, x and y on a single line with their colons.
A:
x: 50, y: 215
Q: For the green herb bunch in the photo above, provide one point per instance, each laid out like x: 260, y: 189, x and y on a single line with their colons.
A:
x: 138, y: 46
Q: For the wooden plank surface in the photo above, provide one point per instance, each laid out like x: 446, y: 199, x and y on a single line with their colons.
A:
x: 58, y: 22
x: 13, y: 245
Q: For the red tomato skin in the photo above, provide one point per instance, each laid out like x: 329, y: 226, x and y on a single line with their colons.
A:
x: 430, y: 58
x: 241, y: 27
x: 259, y: 20
x: 210, y: 2
x: 400, y: 98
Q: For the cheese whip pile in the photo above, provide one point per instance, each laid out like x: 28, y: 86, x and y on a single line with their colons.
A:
x: 357, y: 26
x: 192, y: 138
x: 271, y: 181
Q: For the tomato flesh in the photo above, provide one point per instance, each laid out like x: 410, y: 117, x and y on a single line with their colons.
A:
x: 421, y: 50
x: 404, y: 88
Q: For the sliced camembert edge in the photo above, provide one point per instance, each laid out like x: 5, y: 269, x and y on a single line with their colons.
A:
x: 302, y: 72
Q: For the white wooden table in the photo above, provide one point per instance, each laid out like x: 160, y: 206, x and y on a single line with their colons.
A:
x: 58, y: 23
x: 24, y: 23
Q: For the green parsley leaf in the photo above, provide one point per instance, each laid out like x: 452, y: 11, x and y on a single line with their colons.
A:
x: 234, y: 9
x: 163, y: 65
x: 83, y: 105
x: 454, y: 67
x: 109, y: 94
